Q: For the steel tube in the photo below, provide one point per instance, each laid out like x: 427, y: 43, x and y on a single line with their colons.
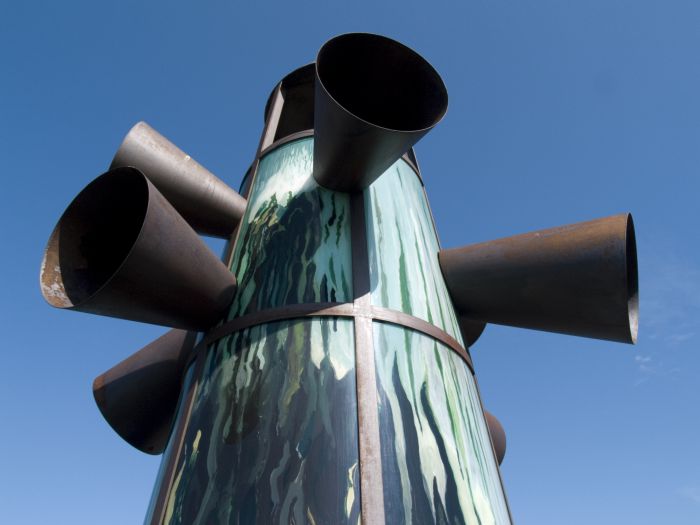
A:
x: 120, y: 249
x: 579, y: 279
x: 206, y: 202
x: 138, y: 396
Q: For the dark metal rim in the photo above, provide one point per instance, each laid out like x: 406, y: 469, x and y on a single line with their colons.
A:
x: 296, y: 311
x: 108, y: 177
x: 390, y: 42
x: 292, y: 76
x: 284, y: 140
x: 310, y: 133
x: 632, y: 278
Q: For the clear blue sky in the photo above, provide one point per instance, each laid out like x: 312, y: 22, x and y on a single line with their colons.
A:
x: 560, y: 111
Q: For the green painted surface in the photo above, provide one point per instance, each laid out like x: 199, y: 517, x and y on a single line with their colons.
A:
x: 437, y: 461
x: 272, y: 437
x: 294, y: 243
x: 403, y: 250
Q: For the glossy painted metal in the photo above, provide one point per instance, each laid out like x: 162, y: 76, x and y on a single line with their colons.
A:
x: 498, y: 436
x: 120, y: 249
x: 272, y: 435
x: 375, y: 98
x: 438, y: 464
x: 403, y: 250
x: 138, y: 397
x: 354, y: 310
x: 579, y: 279
x: 206, y: 202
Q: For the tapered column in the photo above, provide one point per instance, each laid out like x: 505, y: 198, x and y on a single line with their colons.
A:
x: 338, y: 388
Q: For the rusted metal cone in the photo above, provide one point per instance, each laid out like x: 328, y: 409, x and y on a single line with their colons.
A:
x: 498, y: 435
x: 121, y: 250
x: 138, y: 397
x: 375, y: 98
x: 579, y: 279
x: 206, y: 202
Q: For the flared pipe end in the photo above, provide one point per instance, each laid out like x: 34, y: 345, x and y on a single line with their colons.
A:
x: 632, y: 280
x: 93, y: 237
x: 498, y: 436
x: 138, y: 396
x: 579, y: 279
x: 121, y: 250
x: 375, y: 98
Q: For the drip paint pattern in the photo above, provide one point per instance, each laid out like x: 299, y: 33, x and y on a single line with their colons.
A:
x: 437, y: 460
x: 272, y: 437
x: 294, y: 245
x: 403, y: 250
x: 169, y: 449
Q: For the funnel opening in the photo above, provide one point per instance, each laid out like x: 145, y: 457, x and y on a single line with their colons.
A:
x: 632, y: 280
x: 382, y: 82
x: 94, y: 236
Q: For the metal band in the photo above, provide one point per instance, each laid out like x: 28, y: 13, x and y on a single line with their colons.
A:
x: 296, y: 311
x: 310, y: 133
x: 288, y: 138
x: 271, y: 315
x: 414, y: 323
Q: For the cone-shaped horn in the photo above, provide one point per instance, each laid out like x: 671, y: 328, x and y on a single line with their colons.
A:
x: 206, y: 202
x: 375, y: 98
x: 138, y: 397
x: 120, y: 249
x: 498, y: 435
x: 579, y: 279
x: 471, y: 330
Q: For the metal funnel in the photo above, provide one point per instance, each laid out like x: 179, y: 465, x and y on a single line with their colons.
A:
x: 121, y: 250
x: 579, y: 279
x: 498, y: 435
x: 375, y: 98
x: 138, y: 397
x: 206, y: 202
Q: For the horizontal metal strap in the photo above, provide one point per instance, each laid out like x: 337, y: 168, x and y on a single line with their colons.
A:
x: 295, y: 311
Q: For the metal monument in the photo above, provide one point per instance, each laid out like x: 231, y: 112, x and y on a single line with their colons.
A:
x: 320, y: 373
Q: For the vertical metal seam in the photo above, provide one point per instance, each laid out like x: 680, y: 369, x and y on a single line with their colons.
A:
x: 371, y: 483
x: 271, y: 121
x: 179, y: 437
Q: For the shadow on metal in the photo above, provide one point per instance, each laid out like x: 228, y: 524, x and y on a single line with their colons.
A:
x: 498, y: 435
x: 206, y: 202
x: 121, y: 250
x: 138, y: 397
x: 375, y: 98
x: 579, y: 279
x: 471, y: 330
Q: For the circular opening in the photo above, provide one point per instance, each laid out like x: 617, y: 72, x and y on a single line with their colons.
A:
x: 632, y: 280
x: 94, y: 236
x: 382, y: 82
